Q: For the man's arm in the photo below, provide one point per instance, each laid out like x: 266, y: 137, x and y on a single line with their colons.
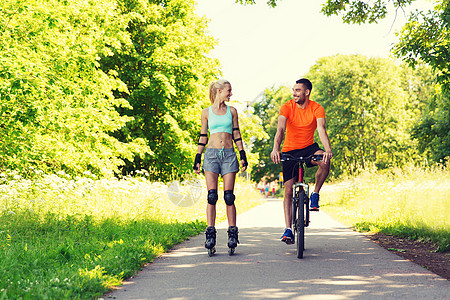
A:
x: 322, y: 130
x: 281, y: 128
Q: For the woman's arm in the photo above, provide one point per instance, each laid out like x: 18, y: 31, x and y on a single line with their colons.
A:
x: 236, y: 133
x: 237, y: 137
x: 202, y: 141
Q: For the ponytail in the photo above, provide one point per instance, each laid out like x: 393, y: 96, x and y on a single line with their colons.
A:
x: 219, y: 84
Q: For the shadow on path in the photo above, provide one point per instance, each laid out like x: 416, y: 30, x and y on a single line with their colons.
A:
x: 338, y: 264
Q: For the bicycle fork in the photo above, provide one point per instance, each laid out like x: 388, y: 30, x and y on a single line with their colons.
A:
x: 302, y: 185
x: 296, y: 201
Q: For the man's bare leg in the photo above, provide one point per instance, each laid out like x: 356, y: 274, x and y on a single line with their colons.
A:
x: 322, y: 172
x: 321, y: 175
x: 287, y: 202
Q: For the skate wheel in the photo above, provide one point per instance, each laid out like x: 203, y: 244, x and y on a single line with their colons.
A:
x: 211, y: 251
x: 231, y: 251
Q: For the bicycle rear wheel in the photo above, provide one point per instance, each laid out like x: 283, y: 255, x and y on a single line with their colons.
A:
x: 300, y: 225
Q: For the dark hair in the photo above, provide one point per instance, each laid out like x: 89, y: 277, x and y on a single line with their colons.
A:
x: 305, y: 82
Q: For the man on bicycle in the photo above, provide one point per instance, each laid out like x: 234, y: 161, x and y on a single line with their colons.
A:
x: 300, y: 117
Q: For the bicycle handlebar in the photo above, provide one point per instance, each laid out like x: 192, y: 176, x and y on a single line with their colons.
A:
x: 315, y: 157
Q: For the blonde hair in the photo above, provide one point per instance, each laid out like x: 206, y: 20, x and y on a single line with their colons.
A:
x: 219, y: 84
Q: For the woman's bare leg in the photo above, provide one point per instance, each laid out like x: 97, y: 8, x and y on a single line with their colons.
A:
x: 228, y: 184
x: 211, y: 184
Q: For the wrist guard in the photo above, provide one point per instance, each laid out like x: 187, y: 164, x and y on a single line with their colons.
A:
x: 198, y: 160
x: 243, y: 157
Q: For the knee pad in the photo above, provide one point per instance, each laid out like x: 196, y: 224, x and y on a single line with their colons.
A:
x: 229, y: 197
x: 212, y: 197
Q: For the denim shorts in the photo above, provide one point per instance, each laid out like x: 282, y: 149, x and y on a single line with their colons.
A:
x: 220, y: 161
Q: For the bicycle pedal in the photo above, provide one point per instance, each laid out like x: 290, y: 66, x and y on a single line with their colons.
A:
x: 288, y: 241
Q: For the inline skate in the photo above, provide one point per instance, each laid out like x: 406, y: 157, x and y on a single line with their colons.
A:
x: 210, y: 242
x: 232, y: 239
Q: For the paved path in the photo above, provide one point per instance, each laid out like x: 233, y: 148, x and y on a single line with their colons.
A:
x: 338, y: 264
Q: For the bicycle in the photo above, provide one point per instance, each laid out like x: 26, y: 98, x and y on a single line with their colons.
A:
x: 300, y: 211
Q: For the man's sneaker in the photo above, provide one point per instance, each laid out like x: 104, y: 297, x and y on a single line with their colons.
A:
x: 314, y: 206
x: 288, y: 237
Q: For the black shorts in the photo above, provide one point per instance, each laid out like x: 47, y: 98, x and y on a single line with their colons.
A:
x: 290, y: 168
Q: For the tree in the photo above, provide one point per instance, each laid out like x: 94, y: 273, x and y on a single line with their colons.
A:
x: 267, y: 109
x: 252, y: 130
x: 362, y: 11
x: 367, y: 101
x: 167, y: 71
x: 426, y: 37
x: 369, y: 107
x: 352, y: 11
x: 57, y: 108
x: 271, y: 3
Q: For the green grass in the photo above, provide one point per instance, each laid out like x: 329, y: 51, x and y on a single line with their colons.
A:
x: 411, y: 203
x: 63, y: 238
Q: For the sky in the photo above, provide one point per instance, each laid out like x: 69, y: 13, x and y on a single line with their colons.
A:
x: 261, y: 47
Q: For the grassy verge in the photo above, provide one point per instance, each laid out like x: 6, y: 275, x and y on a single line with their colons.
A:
x: 63, y: 238
x: 411, y: 203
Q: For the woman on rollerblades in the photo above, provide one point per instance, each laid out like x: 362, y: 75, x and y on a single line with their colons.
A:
x: 220, y: 159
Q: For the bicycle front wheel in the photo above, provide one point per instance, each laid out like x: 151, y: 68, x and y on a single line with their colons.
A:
x: 306, y: 210
x: 300, y: 226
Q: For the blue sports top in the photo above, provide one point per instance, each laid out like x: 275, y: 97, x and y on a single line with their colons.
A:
x: 220, y: 123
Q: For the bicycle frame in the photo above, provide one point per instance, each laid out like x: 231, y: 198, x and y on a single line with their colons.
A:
x: 300, y: 182
x: 300, y: 202
x: 297, y: 187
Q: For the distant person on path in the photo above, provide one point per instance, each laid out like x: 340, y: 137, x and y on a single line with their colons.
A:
x: 220, y: 159
x: 299, y: 118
